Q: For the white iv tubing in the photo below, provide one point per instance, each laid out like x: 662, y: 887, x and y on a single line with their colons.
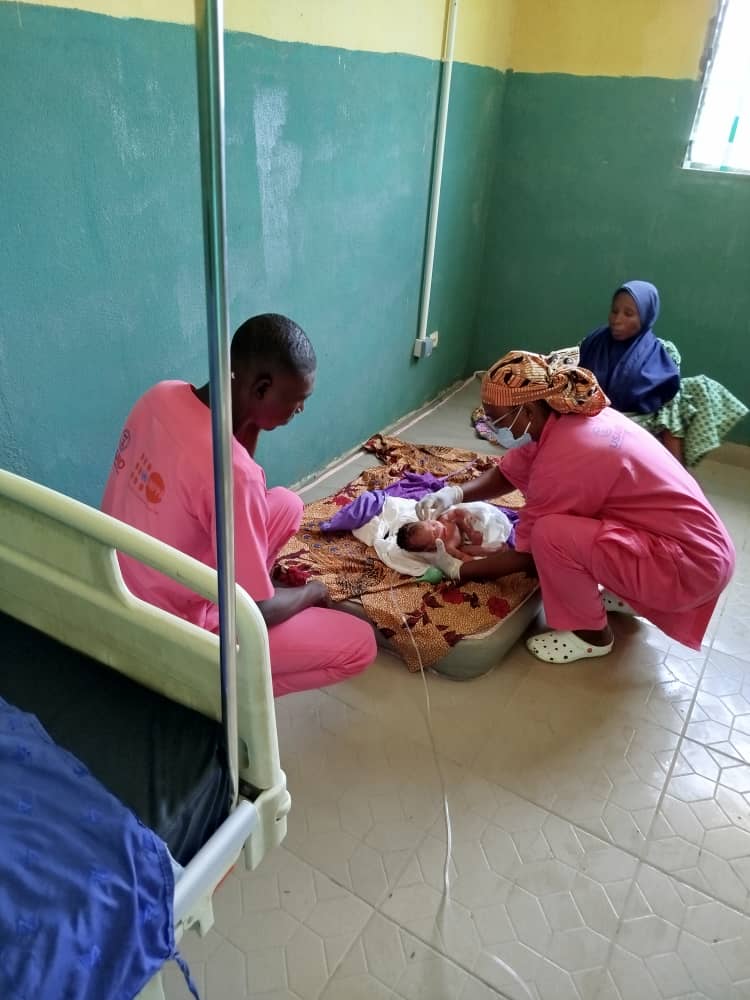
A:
x: 446, y: 809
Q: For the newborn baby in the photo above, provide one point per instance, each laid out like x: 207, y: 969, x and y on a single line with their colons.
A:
x: 467, y: 531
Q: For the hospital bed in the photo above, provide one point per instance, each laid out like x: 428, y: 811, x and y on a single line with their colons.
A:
x: 127, y: 687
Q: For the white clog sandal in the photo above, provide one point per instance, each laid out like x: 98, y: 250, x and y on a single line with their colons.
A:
x: 564, y: 647
x: 614, y: 603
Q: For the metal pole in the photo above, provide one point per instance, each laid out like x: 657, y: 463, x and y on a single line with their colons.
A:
x: 209, y: 22
x: 437, y: 171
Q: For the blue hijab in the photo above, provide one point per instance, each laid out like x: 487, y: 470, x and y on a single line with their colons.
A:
x: 637, y: 374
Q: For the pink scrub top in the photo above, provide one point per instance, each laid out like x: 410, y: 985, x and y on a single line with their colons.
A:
x: 162, y: 483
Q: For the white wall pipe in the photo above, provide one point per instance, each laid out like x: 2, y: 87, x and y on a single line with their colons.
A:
x: 437, y: 170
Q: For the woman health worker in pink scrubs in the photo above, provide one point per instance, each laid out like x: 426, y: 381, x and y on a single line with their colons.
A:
x: 606, y: 504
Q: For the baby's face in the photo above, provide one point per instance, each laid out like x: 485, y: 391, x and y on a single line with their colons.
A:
x: 424, y: 535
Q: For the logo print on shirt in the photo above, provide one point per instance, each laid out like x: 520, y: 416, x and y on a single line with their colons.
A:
x: 119, y: 462
x: 154, y: 488
x: 145, y: 480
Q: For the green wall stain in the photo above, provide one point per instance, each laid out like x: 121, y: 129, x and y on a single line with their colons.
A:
x: 589, y: 192
x: 328, y: 160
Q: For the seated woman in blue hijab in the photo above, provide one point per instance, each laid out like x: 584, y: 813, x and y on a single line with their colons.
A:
x: 641, y: 375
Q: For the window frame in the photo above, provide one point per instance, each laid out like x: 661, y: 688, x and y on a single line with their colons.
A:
x: 713, y: 34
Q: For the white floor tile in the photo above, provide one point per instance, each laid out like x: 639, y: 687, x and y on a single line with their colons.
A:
x: 703, y: 833
x: 526, y: 887
x: 389, y: 962
x: 676, y: 942
x: 567, y: 749
x: 363, y: 796
x: 462, y: 714
x: 721, y: 716
x: 280, y: 931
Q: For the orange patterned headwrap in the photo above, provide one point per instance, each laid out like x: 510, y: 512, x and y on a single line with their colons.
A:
x: 523, y: 377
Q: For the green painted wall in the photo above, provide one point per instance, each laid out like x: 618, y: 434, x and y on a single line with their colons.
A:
x: 589, y: 191
x: 555, y: 189
x: 101, y: 273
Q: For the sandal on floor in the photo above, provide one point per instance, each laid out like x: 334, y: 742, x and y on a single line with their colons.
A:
x: 613, y: 603
x: 564, y: 647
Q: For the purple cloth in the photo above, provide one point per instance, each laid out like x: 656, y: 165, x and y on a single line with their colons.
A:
x: 514, y: 517
x: 413, y: 486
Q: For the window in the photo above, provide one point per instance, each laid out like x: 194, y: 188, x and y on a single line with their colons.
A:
x: 720, y: 139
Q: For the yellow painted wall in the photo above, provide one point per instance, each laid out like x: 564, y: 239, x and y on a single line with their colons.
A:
x: 662, y: 38
x: 412, y: 26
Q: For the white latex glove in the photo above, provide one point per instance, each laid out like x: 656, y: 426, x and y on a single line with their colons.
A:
x: 435, y: 504
x: 448, y: 565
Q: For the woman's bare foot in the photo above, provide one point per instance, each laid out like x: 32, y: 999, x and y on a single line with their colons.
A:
x: 595, y: 637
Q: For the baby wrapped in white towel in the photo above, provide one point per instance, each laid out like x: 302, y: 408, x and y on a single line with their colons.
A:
x: 468, y: 530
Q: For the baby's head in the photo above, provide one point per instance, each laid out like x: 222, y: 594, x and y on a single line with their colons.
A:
x: 419, y: 536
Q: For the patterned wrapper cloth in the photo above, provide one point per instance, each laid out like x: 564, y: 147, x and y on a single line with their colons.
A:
x: 523, y: 377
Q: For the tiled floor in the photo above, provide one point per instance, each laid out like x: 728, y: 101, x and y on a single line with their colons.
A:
x: 601, y: 822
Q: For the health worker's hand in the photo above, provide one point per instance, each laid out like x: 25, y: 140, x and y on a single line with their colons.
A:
x: 448, y: 565
x: 435, y: 504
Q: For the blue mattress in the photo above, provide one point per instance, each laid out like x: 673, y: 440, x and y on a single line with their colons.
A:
x: 163, y: 761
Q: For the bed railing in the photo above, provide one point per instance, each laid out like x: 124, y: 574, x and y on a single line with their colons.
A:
x: 59, y: 573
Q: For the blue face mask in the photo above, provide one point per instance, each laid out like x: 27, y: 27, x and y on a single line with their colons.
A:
x: 505, y: 437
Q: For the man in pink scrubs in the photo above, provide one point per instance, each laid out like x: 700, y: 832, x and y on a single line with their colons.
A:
x: 606, y: 504
x: 162, y: 482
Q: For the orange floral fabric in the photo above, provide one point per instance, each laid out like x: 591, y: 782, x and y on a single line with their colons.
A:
x: 439, y: 616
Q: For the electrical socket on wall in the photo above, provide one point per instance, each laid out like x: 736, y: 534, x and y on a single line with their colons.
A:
x: 424, y: 348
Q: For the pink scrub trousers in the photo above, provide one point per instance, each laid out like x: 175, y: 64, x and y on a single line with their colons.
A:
x: 660, y: 578
x: 318, y: 646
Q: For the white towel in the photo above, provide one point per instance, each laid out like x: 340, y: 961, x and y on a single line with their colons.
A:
x: 493, y: 523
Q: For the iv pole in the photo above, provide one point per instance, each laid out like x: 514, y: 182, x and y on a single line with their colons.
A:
x: 209, y: 20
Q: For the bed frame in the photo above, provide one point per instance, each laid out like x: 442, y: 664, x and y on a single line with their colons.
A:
x: 59, y: 573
